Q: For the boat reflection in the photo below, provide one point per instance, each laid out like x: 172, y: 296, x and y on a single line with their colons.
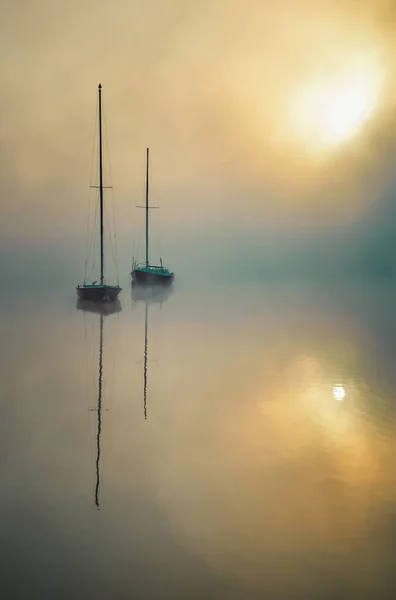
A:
x: 104, y: 309
x: 339, y: 392
x: 148, y: 294
x: 145, y: 293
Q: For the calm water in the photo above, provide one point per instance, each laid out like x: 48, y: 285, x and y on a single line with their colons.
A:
x: 250, y: 457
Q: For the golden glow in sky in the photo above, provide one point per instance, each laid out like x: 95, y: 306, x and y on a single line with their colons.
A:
x: 332, y: 108
x: 254, y: 100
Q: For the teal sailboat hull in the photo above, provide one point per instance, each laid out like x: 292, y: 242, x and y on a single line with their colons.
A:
x: 152, y: 275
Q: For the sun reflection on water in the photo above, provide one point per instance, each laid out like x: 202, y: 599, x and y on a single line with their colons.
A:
x: 339, y: 392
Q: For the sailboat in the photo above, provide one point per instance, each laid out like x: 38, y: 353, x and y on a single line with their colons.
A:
x: 99, y: 292
x: 144, y: 273
x: 103, y: 309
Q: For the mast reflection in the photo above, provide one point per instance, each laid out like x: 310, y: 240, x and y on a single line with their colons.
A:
x: 103, y: 309
x: 148, y: 294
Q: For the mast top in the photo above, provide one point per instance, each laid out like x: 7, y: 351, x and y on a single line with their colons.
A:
x: 100, y: 86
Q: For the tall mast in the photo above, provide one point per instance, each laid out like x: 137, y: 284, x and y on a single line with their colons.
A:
x: 97, y: 486
x: 101, y: 185
x: 147, y: 208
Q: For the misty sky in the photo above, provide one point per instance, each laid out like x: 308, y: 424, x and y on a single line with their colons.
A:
x: 207, y: 86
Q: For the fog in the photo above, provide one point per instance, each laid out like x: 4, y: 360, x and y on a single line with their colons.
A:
x: 205, y: 86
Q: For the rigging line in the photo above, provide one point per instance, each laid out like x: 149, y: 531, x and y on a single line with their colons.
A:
x: 140, y: 233
x: 93, y: 234
x: 136, y: 238
x: 97, y: 203
x: 87, y: 240
x: 112, y: 194
x: 89, y: 194
x: 111, y: 243
x: 160, y: 232
x: 152, y: 237
x: 139, y: 222
x: 135, y: 246
x: 156, y: 229
x: 92, y: 242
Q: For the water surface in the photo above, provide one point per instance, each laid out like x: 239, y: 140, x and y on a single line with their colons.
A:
x: 246, y: 450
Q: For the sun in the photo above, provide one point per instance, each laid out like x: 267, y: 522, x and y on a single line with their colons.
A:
x: 328, y: 111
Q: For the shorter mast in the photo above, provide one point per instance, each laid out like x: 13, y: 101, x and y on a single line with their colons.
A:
x: 147, y: 208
